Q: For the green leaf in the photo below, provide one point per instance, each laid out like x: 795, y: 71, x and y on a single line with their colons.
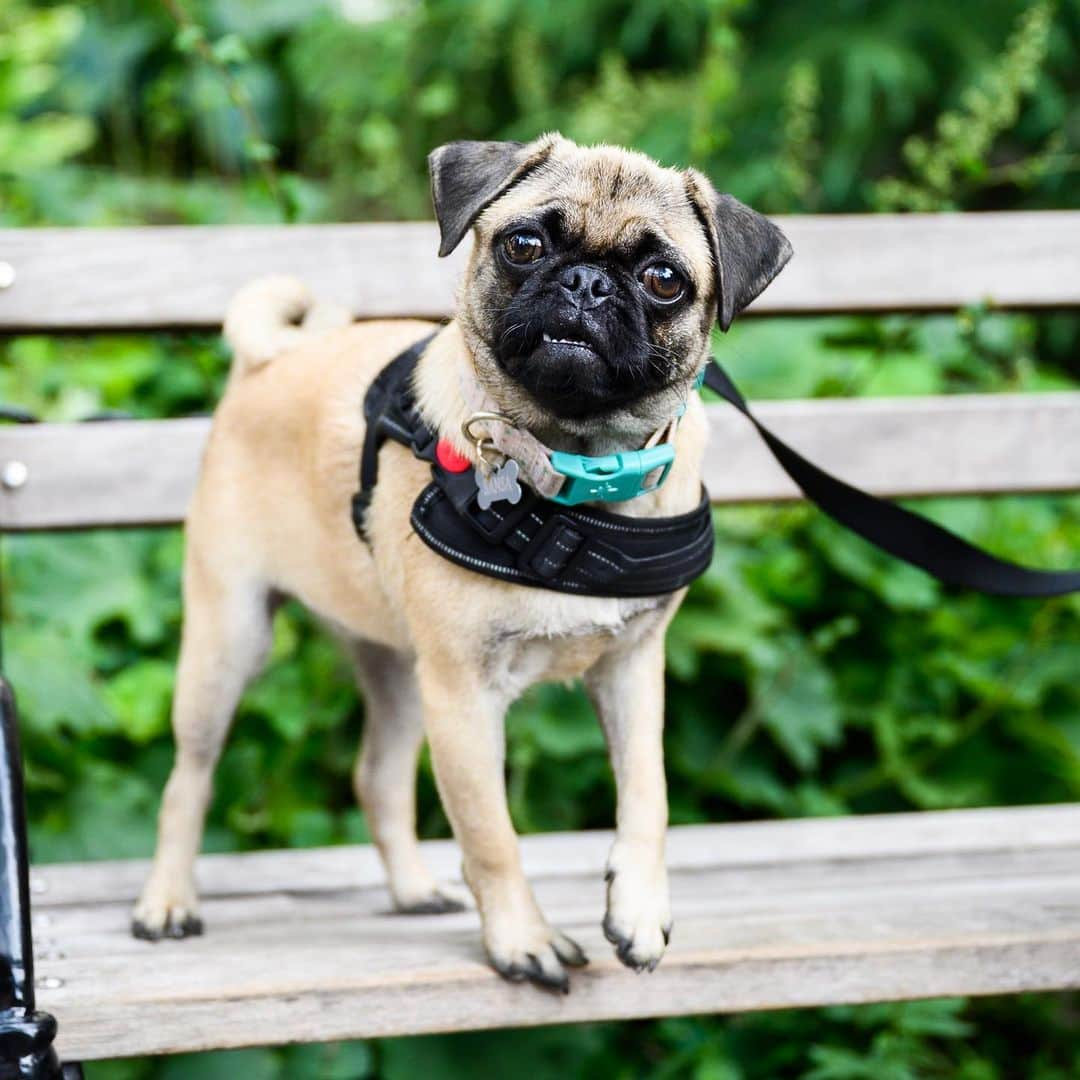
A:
x: 900, y: 586
x: 331, y: 1061
x: 230, y: 50
x: 798, y: 705
x: 109, y: 812
x: 560, y: 723
x: 140, y: 696
x: 224, y: 1065
x: 903, y: 376
x: 189, y: 37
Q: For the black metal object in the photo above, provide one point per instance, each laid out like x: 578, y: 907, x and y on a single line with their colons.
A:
x: 26, y: 1035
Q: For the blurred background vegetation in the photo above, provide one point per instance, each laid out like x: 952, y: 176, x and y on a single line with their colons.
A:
x: 807, y: 675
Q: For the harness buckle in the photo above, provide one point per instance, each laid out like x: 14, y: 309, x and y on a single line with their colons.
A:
x: 494, y: 524
x: 611, y: 477
x: 553, y: 547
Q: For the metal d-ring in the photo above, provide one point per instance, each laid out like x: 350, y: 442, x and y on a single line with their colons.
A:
x: 483, y: 443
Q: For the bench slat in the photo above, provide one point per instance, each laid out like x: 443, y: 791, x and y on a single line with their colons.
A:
x: 768, y: 915
x: 689, y: 848
x: 143, y: 472
x: 126, y: 278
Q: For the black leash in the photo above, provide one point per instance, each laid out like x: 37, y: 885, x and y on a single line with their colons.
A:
x: 899, y: 532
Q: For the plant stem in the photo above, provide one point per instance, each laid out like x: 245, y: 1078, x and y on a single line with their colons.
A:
x: 238, y: 95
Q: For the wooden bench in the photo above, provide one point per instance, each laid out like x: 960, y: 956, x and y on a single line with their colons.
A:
x: 300, y: 946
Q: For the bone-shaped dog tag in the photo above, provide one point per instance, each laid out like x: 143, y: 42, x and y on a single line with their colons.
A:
x: 500, y: 485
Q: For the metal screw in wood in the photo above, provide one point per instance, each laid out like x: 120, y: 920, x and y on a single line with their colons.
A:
x: 14, y: 475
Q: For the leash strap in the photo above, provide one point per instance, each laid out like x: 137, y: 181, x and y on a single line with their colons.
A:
x: 901, y: 533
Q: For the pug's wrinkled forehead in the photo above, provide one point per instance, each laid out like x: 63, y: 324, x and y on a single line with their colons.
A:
x: 606, y: 201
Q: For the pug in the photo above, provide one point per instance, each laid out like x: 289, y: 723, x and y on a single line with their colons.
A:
x: 584, y: 317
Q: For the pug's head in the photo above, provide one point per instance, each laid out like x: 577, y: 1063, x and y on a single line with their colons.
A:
x: 595, y: 278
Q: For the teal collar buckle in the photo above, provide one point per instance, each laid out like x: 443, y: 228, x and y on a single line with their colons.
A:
x: 611, y: 477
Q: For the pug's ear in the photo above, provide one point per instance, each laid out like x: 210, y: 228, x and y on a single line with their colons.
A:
x: 466, y: 177
x: 748, y: 249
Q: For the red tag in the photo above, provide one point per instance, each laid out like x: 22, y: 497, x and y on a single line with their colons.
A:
x: 449, y: 458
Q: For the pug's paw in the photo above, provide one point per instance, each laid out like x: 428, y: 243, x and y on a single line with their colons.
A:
x: 528, y: 949
x: 638, y: 918
x: 440, y: 900
x: 166, y: 911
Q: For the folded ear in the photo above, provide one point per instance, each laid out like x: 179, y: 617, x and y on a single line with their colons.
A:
x: 466, y: 177
x: 748, y: 249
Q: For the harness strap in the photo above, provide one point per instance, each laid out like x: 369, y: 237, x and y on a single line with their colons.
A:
x: 390, y: 412
x: 895, y: 530
x: 541, y: 543
x: 536, y: 541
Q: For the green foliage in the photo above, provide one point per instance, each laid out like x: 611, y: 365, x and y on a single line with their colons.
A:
x: 299, y: 113
x: 800, y: 150
x: 965, y: 136
x: 30, y: 43
x: 807, y: 674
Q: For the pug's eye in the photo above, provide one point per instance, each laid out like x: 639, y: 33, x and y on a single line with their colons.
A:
x: 523, y: 247
x: 664, y: 282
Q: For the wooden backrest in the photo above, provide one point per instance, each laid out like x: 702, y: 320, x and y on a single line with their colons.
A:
x: 124, y: 473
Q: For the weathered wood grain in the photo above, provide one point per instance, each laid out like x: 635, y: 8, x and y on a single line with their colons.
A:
x: 184, y: 276
x: 67, y: 279
x: 317, y: 915
x: 300, y: 947
x: 116, y: 472
x: 963, y: 444
x: 143, y: 472
x: 690, y: 848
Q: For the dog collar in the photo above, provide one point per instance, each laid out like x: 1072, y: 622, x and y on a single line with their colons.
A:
x: 565, y: 478
x: 611, y: 477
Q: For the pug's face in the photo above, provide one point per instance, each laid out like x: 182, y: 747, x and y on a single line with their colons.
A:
x: 595, y: 278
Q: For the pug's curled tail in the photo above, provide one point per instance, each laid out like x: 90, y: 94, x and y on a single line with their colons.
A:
x: 274, y: 314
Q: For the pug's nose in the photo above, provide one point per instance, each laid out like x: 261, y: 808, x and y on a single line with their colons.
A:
x: 587, y: 286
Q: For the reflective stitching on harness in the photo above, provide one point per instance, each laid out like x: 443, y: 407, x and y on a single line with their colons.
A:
x: 458, y: 556
x: 480, y: 564
x: 600, y: 558
x: 616, y: 526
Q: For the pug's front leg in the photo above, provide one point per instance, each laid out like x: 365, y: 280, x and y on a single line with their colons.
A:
x: 627, y: 690
x: 464, y: 724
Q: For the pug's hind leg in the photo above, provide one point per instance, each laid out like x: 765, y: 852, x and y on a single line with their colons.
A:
x: 385, y: 777
x: 225, y: 638
x: 464, y: 723
x: 627, y: 690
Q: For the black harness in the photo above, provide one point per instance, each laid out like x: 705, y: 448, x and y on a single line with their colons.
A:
x: 535, y: 541
x: 592, y: 552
